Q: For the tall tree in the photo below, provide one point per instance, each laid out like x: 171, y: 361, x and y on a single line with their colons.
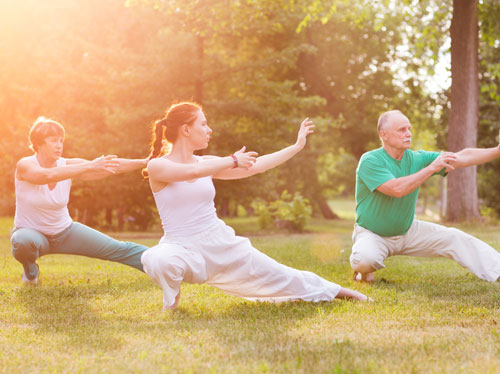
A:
x: 464, y: 114
x: 461, y: 111
x: 489, y: 51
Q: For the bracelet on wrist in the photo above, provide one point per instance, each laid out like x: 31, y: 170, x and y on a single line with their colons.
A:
x: 235, y: 161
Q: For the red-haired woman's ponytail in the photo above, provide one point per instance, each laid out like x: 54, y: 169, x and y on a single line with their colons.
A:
x: 157, y: 145
x: 167, y: 128
x: 158, y: 131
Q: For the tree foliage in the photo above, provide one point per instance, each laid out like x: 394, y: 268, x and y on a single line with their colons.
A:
x: 106, y: 70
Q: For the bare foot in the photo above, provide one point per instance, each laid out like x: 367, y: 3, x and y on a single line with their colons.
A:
x: 364, y: 277
x: 347, y: 294
x: 176, y: 302
x: 33, y: 281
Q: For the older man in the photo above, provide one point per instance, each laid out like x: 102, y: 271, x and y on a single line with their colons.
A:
x: 387, y: 184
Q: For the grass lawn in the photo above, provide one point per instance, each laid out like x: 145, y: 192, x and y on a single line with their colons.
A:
x: 90, y: 316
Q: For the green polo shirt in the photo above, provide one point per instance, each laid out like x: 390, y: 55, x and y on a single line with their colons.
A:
x: 386, y: 215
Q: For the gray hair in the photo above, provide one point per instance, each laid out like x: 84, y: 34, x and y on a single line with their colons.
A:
x: 384, y: 119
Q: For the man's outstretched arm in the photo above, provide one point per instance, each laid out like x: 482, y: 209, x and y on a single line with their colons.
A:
x: 399, y: 187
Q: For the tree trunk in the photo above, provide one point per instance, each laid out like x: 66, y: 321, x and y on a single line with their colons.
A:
x: 109, y: 218
x: 224, y: 208
x: 121, y: 219
x: 198, y: 89
x: 444, y: 198
x: 314, y: 75
x: 462, y: 130
x: 325, y: 208
x: 198, y: 85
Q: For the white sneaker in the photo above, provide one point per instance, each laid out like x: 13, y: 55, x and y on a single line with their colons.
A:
x: 25, y: 279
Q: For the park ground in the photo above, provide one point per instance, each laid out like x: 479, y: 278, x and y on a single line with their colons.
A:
x: 90, y: 316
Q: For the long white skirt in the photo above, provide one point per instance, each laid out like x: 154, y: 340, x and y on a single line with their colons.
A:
x: 220, y: 258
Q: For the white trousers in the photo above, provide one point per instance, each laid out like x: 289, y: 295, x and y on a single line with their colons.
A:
x: 426, y: 239
x: 220, y: 258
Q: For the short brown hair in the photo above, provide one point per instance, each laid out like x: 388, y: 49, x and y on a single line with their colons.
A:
x: 43, y: 128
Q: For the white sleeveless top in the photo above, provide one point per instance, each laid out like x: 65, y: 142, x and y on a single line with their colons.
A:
x: 42, y: 209
x: 186, y: 208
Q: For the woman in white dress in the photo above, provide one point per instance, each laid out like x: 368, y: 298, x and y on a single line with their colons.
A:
x: 198, y: 247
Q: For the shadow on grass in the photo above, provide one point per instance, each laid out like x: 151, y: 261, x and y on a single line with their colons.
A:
x: 254, y: 331
x: 70, y: 312
x: 67, y: 309
x: 437, y: 281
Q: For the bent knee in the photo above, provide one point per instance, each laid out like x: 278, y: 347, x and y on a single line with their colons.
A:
x: 21, y: 244
x: 366, y: 262
x: 152, y: 258
x: 364, y: 267
x: 161, y: 260
x: 147, y: 258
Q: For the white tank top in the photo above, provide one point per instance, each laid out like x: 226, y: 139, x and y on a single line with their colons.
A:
x: 42, y: 209
x: 186, y: 208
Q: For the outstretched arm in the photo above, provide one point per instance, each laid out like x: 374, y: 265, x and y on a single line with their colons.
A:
x: 162, y: 170
x: 123, y: 165
x: 271, y: 160
x: 399, y: 187
x: 403, y: 186
x: 476, y: 156
x: 28, y: 170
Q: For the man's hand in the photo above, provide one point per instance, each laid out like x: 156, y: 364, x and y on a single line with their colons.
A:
x: 444, y: 160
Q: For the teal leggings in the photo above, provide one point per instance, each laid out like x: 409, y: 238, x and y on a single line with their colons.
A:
x: 77, y: 239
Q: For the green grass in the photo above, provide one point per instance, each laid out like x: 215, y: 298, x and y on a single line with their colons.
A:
x: 90, y: 316
x: 6, y: 224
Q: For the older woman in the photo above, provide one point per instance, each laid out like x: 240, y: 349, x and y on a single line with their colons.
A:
x: 42, y: 223
x: 197, y: 247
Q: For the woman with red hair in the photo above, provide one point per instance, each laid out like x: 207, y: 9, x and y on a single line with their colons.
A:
x: 198, y: 247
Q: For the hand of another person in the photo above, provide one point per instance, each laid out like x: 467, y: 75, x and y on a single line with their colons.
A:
x: 444, y: 160
x: 306, y: 128
x: 107, y: 163
x: 245, y: 159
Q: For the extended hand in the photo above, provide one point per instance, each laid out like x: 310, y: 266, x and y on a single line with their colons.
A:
x: 444, y: 160
x: 107, y: 163
x: 245, y: 159
x: 306, y: 128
